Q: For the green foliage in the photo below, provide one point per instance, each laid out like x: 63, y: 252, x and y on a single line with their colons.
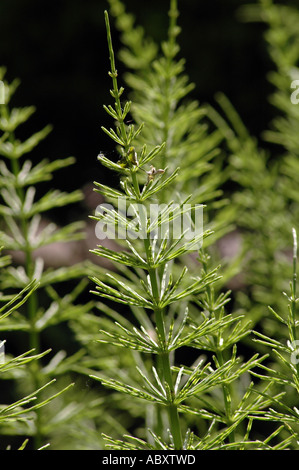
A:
x: 160, y: 89
x: 174, y: 308
x: 166, y: 356
x: 17, y: 417
x: 263, y: 215
x: 266, y: 178
x: 25, y: 231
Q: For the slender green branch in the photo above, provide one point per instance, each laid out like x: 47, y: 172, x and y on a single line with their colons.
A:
x: 168, y: 102
x: 292, y: 320
x: 294, y: 289
x: 116, y: 92
x: 164, y: 356
x: 211, y: 301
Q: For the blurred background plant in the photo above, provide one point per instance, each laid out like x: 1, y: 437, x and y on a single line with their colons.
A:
x: 31, y: 240
x: 19, y: 418
x: 264, y: 170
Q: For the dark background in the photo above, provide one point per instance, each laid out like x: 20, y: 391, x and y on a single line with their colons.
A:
x: 58, y: 50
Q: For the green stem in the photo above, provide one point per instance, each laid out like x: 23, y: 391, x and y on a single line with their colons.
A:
x: 164, y: 359
x: 168, y: 101
x: 227, y: 395
x: 175, y: 425
x: 227, y: 400
x: 164, y: 356
x: 32, y: 304
x: 292, y: 321
x: 294, y: 289
x: 29, y: 266
x: 116, y: 92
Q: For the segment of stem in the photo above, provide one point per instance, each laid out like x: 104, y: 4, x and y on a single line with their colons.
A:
x: 32, y: 303
x: 164, y: 356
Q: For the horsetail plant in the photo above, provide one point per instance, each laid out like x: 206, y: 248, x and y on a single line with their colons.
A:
x: 25, y: 232
x: 160, y: 91
x: 186, y: 366
x: 284, y: 368
x: 266, y: 177
x: 167, y: 308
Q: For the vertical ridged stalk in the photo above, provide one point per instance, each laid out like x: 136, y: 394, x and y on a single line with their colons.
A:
x: 294, y: 288
x: 163, y: 359
x: 226, y: 389
x: 164, y: 356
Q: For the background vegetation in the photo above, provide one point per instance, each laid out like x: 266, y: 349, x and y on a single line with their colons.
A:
x: 242, y: 149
